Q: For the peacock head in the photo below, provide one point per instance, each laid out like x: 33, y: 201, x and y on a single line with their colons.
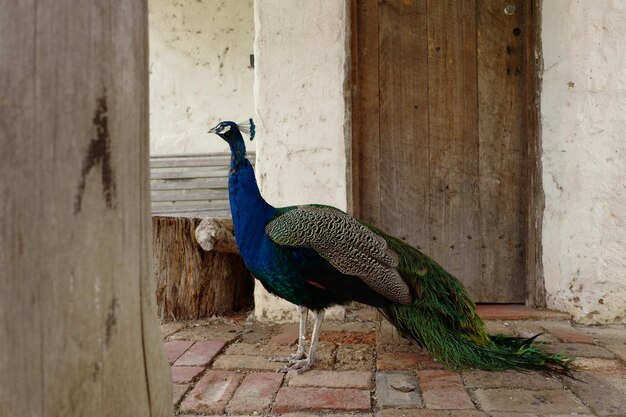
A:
x: 231, y: 131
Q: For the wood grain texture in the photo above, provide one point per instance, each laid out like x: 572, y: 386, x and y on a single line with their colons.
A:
x: 500, y: 45
x: 453, y: 140
x: 452, y: 176
x: 78, y: 328
x: 366, y: 112
x: 403, y: 77
x: 190, y: 282
x: 536, y: 292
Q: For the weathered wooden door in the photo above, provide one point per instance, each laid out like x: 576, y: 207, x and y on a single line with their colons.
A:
x: 440, y: 125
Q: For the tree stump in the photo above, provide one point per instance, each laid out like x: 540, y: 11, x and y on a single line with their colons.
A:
x: 193, y: 283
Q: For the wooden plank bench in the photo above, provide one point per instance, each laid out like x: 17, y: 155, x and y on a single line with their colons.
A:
x: 191, y: 185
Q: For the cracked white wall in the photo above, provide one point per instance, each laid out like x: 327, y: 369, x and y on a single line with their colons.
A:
x: 583, y: 103
x: 200, y: 72
x: 301, y: 50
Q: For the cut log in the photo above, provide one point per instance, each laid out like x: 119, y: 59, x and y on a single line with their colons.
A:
x: 191, y: 282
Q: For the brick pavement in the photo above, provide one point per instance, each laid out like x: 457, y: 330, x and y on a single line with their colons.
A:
x: 364, y: 369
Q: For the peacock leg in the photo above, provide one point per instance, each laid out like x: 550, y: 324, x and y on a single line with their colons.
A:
x: 304, y: 364
x: 304, y: 312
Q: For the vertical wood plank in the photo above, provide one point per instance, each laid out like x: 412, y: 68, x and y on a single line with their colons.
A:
x: 21, y: 310
x: 78, y: 327
x: 367, y: 112
x: 535, y: 294
x: 403, y: 66
x: 453, y: 132
x: 500, y: 44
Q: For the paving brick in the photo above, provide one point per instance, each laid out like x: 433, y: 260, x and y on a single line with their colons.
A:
x: 517, y: 312
x: 430, y: 413
x: 619, y: 350
x: 514, y: 414
x: 257, y: 332
x: 398, y: 361
x: 201, y: 353
x: 527, y: 328
x: 349, y: 338
x: 559, y: 415
x: 241, y: 362
x: 254, y: 349
x: 325, y: 356
x: 443, y: 390
x: 531, y: 381
x: 171, y: 327
x: 581, y: 350
x: 217, y: 331
x: 599, y: 365
x: 606, y: 395
x: 518, y: 400
x: 287, y: 334
x: 499, y: 327
x: 256, y: 392
x: 611, y: 334
x: 330, y: 379
x: 291, y: 399
x: 362, y: 313
x: 397, y: 390
x: 344, y: 415
x: 212, y: 392
x: 349, y: 327
x: 566, y: 333
x: 300, y: 415
x: 178, y: 390
x: 389, y: 340
x: 175, y: 348
x: 185, y: 374
x: 354, y: 357
x: 427, y: 362
x: 406, y: 361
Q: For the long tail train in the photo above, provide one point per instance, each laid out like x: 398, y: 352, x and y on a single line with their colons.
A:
x: 443, y: 319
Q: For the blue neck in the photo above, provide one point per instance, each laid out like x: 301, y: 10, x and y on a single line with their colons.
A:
x: 249, y: 210
x: 237, y: 152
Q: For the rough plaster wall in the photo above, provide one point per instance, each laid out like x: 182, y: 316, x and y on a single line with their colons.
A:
x: 200, y: 71
x: 583, y: 106
x: 301, y: 58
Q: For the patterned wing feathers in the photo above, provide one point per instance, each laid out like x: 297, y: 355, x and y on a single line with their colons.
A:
x: 348, y: 245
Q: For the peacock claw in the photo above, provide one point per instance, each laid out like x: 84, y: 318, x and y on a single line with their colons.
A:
x: 290, y: 359
x: 299, y: 366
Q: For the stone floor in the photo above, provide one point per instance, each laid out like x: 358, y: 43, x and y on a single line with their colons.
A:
x: 220, y: 366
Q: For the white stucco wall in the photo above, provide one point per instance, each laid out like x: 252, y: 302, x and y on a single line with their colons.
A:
x: 200, y: 71
x: 583, y: 104
x: 301, y: 67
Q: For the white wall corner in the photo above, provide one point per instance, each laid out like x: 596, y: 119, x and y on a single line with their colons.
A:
x: 583, y: 103
x: 301, y: 69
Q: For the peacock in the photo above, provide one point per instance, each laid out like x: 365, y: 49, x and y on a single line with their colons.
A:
x: 317, y: 256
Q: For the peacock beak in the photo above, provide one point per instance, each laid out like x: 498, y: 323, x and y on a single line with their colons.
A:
x: 213, y: 130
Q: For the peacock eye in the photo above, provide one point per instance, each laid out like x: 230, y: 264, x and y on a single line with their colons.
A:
x: 225, y: 129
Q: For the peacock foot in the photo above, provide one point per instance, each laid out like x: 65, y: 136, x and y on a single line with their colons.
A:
x: 299, y: 366
x: 290, y: 359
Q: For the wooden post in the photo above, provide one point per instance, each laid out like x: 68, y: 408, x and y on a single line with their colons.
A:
x: 78, y: 324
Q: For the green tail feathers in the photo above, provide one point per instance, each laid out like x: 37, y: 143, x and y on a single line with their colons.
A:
x: 456, y: 350
x: 443, y: 319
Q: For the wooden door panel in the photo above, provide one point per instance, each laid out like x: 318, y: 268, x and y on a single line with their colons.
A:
x: 453, y: 140
x: 403, y: 134
x: 500, y: 46
x: 438, y: 134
